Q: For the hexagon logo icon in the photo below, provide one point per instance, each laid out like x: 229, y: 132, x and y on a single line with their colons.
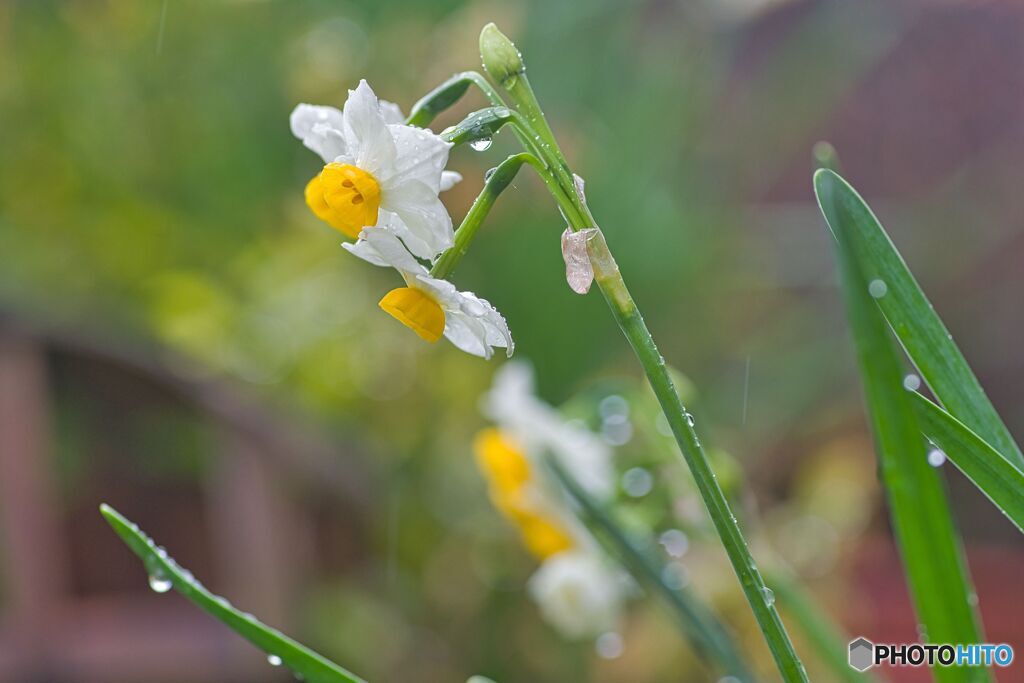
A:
x: 862, y: 654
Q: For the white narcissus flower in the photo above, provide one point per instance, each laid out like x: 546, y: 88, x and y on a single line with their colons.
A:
x: 577, y: 590
x: 393, y: 114
x: 376, y: 172
x: 578, y: 593
x: 430, y: 306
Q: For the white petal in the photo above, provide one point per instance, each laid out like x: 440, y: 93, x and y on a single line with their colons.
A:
x: 319, y: 128
x: 420, y: 156
x: 382, y: 247
x: 423, y: 213
x: 369, y: 141
x: 450, y: 179
x: 391, y: 112
x: 466, y: 334
x: 471, y: 323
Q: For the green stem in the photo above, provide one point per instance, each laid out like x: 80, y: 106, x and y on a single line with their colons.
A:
x: 626, y: 314
x: 495, y: 184
x: 448, y: 93
x: 708, y: 635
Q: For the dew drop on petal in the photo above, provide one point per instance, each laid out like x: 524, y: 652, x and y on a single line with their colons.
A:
x: 637, y: 482
x: 936, y: 458
x: 769, y: 595
x: 273, y: 660
x: 481, y: 144
x: 911, y: 382
x: 877, y: 288
x: 609, y: 645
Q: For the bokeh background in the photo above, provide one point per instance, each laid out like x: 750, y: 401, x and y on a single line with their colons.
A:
x: 181, y: 338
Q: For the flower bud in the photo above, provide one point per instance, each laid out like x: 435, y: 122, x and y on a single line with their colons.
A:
x: 500, y: 56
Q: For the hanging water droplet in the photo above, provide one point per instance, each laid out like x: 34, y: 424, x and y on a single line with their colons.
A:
x: 911, y: 382
x: 936, y: 458
x: 273, y: 660
x: 877, y: 288
x: 159, y: 582
x: 769, y: 595
x: 675, y: 542
x: 637, y: 482
x: 481, y: 144
x: 490, y: 172
x: 609, y: 645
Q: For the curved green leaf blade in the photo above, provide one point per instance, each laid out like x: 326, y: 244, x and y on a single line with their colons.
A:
x: 313, y: 667
x: 919, y: 329
x: 928, y: 541
x: 994, y: 475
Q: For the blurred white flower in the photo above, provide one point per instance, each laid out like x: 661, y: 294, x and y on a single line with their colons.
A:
x: 576, y: 588
x: 377, y: 173
x: 578, y: 593
x: 430, y: 306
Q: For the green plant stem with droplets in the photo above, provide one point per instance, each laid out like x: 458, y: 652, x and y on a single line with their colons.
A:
x: 503, y: 62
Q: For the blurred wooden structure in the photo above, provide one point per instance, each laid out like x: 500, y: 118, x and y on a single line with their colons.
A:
x: 247, y: 525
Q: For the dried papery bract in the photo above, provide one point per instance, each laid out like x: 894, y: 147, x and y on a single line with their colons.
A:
x: 579, y: 273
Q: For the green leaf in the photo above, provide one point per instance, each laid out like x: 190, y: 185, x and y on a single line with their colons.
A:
x: 918, y: 328
x: 928, y: 541
x: 313, y: 667
x: 994, y: 475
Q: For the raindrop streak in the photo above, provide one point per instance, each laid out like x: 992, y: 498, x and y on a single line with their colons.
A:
x: 481, y: 144
x: 769, y: 596
x: 637, y: 482
x: 936, y: 458
x: 273, y: 660
x: 911, y: 382
x: 877, y: 288
x: 746, y: 389
x: 609, y: 645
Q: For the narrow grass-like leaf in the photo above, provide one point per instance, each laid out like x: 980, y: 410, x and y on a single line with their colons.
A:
x: 828, y: 641
x: 993, y: 474
x: 919, y: 329
x: 928, y: 541
x: 699, y: 624
x: 313, y: 667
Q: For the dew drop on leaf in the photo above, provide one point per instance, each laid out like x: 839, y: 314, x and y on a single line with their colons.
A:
x: 936, y: 458
x: 273, y: 660
x: 769, y: 595
x: 877, y: 289
x: 481, y: 144
x: 911, y: 382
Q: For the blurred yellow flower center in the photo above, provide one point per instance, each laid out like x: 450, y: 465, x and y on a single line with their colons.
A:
x: 509, y: 477
x: 345, y: 196
x: 417, y: 310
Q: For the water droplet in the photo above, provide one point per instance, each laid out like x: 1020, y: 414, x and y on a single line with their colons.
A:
x: 637, y: 482
x: 936, y: 458
x: 675, y: 542
x: 972, y: 599
x: 609, y: 645
x: 911, y: 382
x: 273, y: 660
x: 769, y: 595
x: 617, y: 430
x: 481, y: 144
x: 689, y: 418
x: 674, y: 576
x: 613, y: 406
x: 877, y: 288
x: 159, y: 582
x: 490, y: 172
